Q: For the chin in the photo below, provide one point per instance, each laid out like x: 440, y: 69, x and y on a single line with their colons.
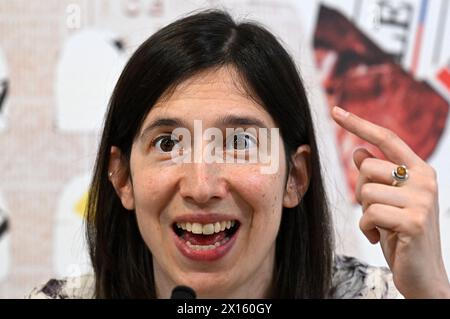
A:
x: 209, y: 285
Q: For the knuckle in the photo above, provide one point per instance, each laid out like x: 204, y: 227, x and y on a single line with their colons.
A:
x: 366, y: 190
x: 432, y: 172
x: 426, y: 170
x: 363, y: 223
x: 369, y: 210
x: 373, y: 208
x: 426, y: 202
x: 419, y: 223
x: 386, y: 136
x: 372, y: 211
x: 431, y: 185
x: 367, y: 217
x: 390, y: 134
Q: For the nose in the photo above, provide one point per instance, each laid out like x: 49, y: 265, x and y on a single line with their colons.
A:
x: 202, y: 182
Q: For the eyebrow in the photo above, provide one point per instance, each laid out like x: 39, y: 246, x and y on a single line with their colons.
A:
x: 234, y: 121
x: 162, y: 122
x: 224, y: 121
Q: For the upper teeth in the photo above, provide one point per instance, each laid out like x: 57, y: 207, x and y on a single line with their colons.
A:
x: 206, y: 229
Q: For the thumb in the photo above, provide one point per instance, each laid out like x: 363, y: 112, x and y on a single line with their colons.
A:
x: 359, y: 155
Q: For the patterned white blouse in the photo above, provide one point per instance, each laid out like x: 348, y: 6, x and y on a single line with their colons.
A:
x: 352, y: 279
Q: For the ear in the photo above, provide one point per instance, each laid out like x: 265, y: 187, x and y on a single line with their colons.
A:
x: 120, y: 178
x: 298, y: 177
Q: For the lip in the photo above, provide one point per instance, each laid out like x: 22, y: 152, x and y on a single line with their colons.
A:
x: 204, y: 255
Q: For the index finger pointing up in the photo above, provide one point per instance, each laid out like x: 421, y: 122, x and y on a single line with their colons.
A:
x: 392, y: 146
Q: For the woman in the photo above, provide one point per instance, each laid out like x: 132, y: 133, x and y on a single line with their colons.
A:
x: 231, y: 230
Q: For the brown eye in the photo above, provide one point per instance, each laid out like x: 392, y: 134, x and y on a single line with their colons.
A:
x: 165, y: 143
x: 241, y: 142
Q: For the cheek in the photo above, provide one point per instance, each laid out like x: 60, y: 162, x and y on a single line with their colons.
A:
x: 264, y: 193
x: 152, y: 189
x: 264, y: 187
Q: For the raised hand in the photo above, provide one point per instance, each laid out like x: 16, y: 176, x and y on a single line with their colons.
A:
x: 403, y: 218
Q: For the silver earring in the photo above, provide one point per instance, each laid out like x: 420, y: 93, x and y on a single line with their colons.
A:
x: 110, y: 174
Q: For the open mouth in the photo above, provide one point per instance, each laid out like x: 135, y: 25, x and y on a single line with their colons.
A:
x: 205, y: 241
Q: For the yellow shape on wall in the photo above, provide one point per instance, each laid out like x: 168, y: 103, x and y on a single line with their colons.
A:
x: 80, y: 206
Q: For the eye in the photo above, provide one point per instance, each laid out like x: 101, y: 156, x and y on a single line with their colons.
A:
x: 165, y: 143
x: 241, y: 141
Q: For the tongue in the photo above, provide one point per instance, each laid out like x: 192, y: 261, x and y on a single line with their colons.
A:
x: 195, y: 239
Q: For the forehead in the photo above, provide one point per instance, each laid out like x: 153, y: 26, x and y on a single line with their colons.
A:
x: 209, y: 95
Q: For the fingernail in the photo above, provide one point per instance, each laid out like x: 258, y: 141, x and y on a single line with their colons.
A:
x: 341, y: 113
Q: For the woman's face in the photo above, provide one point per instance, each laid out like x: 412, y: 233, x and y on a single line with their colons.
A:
x: 210, y: 226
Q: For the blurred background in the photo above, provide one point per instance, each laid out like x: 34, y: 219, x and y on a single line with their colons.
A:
x: 386, y: 60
